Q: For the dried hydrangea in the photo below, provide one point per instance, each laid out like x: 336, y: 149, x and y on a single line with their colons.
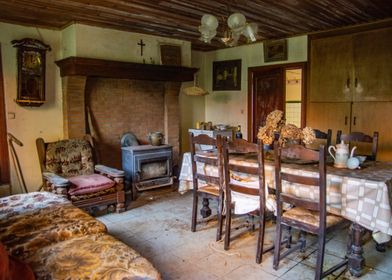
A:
x: 290, y: 131
x: 273, y: 124
x: 266, y: 134
x: 308, y: 135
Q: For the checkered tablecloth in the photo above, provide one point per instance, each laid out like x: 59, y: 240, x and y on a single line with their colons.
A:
x: 363, y: 196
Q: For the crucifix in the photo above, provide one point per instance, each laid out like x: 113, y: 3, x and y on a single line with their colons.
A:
x: 141, y: 44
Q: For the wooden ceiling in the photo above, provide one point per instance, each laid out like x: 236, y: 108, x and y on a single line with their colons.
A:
x: 180, y: 18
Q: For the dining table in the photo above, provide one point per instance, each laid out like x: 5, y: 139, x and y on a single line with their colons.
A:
x: 362, y: 196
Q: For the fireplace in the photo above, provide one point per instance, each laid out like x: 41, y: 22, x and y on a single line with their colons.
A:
x: 147, y: 167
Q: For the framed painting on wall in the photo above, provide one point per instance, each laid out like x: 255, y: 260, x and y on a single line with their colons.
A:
x: 275, y: 50
x: 226, y: 75
x: 170, y: 54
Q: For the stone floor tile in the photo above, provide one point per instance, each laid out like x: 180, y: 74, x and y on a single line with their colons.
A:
x: 219, y: 264
x: 249, y: 272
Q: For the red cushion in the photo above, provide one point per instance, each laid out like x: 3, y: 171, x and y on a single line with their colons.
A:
x: 12, y: 268
x: 85, y: 184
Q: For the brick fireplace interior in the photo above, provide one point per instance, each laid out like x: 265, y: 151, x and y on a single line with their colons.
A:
x: 121, y: 99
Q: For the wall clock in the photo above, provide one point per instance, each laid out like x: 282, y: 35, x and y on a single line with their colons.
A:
x: 31, y: 71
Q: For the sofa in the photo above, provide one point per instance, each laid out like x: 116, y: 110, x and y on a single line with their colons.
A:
x: 60, y: 241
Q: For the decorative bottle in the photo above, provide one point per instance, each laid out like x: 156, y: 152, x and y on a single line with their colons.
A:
x: 238, y: 134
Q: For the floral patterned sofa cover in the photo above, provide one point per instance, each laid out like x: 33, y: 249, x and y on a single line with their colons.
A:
x: 60, y: 241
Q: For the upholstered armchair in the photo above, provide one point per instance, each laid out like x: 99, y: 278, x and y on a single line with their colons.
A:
x: 68, y: 168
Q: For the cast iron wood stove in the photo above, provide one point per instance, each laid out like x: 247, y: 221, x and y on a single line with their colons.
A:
x: 147, y: 167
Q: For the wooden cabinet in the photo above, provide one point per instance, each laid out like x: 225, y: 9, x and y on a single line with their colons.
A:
x: 331, y: 68
x: 354, y: 67
x: 350, y: 86
x: 333, y: 115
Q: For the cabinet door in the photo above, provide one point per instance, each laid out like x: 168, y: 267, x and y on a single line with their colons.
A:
x: 331, y: 69
x: 368, y: 117
x: 325, y: 115
x: 373, y: 65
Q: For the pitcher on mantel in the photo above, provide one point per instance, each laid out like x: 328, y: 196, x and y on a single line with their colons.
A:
x: 341, y: 154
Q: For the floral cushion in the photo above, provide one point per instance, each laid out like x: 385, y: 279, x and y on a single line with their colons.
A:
x: 99, y: 256
x: 28, y: 203
x: 24, y: 234
x: 85, y: 184
x: 68, y: 158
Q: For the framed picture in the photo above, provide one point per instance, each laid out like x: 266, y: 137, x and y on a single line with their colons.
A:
x: 170, y: 54
x: 275, y: 50
x: 226, y: 75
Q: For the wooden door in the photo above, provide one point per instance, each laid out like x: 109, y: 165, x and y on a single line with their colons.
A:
x: 4, y: 160
x: 325, y: 115
x: 373, y: 65
x: 331, y: 69
x: 266, y: 95
x: 368, y: 117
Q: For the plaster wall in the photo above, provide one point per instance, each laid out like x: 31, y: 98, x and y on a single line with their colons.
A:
x: 230, y: 107
x: 29, y: 123
x: 105, y: 43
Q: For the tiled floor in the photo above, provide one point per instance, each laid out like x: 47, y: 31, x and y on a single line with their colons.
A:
x: 160, y: 230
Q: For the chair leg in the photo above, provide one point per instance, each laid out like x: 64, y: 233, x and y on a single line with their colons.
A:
x: 220, y: 218
x: 194, y: 212
x: 227, y: 227
x: 260, y: 240
x: 278, y: 238
x: 120, y: 205
x: 320, y: 256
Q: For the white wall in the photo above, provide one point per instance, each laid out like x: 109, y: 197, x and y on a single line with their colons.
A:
x: 104, y: 43
x: 31, y: 122
x: 230, y: 107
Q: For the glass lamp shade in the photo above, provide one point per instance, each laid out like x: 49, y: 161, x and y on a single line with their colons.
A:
x: 206, y: 34
x: 209, y: 21
x: 236, y: 22
x: 250, y: 31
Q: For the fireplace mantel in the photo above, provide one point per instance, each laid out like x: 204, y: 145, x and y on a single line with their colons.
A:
x: 91, y: 67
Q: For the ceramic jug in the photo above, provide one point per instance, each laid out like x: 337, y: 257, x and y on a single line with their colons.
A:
x: 155, y: 138
x: 341, y: 154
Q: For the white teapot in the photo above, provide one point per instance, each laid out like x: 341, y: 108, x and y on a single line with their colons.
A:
x: 341, y: 154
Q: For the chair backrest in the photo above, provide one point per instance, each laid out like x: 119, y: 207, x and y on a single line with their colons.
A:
x: 257, y: 170
x: 360, y: 137
x: 66, y: 158
x: 300, y: 152
x: 206, y: 157
x: 324, y: 135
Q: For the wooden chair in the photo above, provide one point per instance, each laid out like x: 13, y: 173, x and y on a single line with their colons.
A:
x: 306, y: 215
x: 243, y: 146
x: 213, y: 186
x: 361, y: 138
x: 68, y: 169
x: 322, y: 135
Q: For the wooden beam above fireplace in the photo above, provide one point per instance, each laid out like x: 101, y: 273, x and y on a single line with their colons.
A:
x: 91, y: 67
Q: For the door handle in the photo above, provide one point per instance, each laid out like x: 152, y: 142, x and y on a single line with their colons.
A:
x: 348, y: 83
x: 345, y: 120
x: 355, y: 121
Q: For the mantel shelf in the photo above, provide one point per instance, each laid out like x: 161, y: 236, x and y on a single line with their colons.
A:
x: 91, y: 67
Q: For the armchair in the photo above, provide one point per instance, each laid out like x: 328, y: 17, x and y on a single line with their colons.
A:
x: 68, y: 169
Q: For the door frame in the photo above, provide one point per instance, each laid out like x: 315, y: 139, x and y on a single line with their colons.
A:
x: 4, y: 158
x: 251, y: 92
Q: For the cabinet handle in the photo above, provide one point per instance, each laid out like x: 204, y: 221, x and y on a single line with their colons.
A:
x: 348, y: 83
x: 345, y: 120
x: 356, y: 82
x: 355, y: 120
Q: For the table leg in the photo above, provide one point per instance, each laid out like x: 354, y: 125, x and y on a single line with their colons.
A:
x: 205, y: 211
x: 356, y: 262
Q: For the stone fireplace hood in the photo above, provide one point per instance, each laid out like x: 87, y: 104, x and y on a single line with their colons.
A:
x: 91, y: 67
